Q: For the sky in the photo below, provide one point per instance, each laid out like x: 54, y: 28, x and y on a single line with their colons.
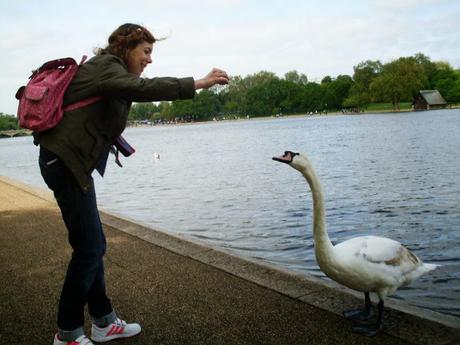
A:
x: 316, y: 38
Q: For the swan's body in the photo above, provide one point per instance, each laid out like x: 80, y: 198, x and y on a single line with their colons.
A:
x: 367, y: 263
x: 373, y: 264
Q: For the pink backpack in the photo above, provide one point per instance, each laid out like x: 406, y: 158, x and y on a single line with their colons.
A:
x: 40, y: 101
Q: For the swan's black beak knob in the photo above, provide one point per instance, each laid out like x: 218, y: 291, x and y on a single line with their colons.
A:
x: 286, y: 158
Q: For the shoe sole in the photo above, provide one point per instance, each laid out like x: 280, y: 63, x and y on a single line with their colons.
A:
x: 113, y: 337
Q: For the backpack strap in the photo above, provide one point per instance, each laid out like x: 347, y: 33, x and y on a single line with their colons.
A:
x: 83, y: 59
x: 82, y: 103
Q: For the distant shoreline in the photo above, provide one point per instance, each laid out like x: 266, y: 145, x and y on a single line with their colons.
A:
x: 261, y: 118
x: 12, y: 133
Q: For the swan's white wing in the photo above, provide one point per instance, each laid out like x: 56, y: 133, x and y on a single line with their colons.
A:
x: 373, y: 249
x: 382, y: 255
x: 376, y: 264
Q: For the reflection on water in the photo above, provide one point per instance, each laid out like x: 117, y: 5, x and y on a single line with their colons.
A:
x: 385, y: 175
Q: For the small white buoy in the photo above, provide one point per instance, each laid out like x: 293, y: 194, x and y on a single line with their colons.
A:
x: 156, y: 155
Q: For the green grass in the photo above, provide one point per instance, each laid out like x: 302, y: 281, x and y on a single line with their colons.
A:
x: 388, y: 106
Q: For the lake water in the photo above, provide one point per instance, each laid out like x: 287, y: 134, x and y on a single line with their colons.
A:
x: 393, y: 175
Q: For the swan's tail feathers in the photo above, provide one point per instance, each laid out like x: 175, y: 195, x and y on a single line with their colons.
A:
x: 430, y: 267
x: 420, y: 270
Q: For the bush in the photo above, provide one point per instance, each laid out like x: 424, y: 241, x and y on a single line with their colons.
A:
x: 8, y: 122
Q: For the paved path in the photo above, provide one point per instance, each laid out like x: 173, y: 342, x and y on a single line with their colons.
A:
x: 180, y: 292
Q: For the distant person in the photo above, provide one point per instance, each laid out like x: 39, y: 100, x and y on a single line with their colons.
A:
x: 80, y: 144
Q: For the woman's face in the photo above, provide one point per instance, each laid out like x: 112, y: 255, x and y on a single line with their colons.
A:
x: 139, y: 57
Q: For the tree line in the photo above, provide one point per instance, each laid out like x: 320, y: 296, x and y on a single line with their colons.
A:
x: 8, y: 122
x: 265, y: 94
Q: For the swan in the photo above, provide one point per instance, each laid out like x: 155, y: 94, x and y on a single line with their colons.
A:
x: 367, y: 263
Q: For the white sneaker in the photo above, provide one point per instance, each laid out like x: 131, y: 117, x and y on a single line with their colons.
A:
x: 81, y: 340
x: 117, y: 329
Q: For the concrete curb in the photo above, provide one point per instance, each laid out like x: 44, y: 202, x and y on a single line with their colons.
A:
x: 413, y: 324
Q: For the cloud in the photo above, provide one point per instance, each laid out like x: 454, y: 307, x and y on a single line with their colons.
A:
x: 406, y: 4
x: 242, y: 37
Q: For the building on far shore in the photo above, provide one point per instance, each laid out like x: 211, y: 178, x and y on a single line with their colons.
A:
x: 428, y: 100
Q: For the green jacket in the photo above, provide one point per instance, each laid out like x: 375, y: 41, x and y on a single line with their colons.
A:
x: 84, y: 135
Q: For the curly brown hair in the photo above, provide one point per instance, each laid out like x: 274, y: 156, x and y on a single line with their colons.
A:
x: 125, y: 38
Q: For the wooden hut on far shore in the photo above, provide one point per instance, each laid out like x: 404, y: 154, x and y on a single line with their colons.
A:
x: 428, y: 100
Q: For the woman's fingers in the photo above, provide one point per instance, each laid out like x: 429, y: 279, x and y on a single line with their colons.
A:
x: 216, y: 76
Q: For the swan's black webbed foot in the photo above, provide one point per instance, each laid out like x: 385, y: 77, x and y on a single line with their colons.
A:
x: 370, y: 330
x: 357, y: 314
x: 360, y: 315
x: 367, y: 330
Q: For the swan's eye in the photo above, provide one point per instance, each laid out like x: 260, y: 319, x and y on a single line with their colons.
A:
x: 290, y: 154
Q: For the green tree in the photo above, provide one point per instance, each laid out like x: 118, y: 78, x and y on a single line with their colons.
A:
x: 206, y: 105
x: 265, y: 99
x: 296, y: 78
x: 326, y: 80
x: 182, y: 109
x: 165, y: 111
x: 364, y: 73
x: 293, y: 99
x: 454, y: 92
x: 240, y: 97
x: 234, y: 96
x: 400, y: 81
x: 8, y: 122
x: 335, y: 92
x: 142, y: 111
x: 312, y: 95
x: 259, y: 78
x: 445, y: 79
x: 429, y: 68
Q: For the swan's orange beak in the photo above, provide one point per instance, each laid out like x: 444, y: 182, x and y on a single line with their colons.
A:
x: 286, y: 158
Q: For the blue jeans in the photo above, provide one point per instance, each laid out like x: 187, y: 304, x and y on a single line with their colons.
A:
x: 84, y: 281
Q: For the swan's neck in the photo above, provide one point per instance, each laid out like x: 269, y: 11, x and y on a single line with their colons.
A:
x: 323, y: 245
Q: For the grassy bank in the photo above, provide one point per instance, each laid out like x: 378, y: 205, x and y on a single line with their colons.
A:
x: 387, y: 107
x: 14, y: 133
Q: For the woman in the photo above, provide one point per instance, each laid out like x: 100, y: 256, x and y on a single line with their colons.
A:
x: 78, y: 145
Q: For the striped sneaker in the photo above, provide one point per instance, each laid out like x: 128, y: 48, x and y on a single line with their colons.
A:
x: 81, y: 340
x: 117, y: 329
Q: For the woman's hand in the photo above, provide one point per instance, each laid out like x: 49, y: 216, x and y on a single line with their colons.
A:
x: 216, y: 76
